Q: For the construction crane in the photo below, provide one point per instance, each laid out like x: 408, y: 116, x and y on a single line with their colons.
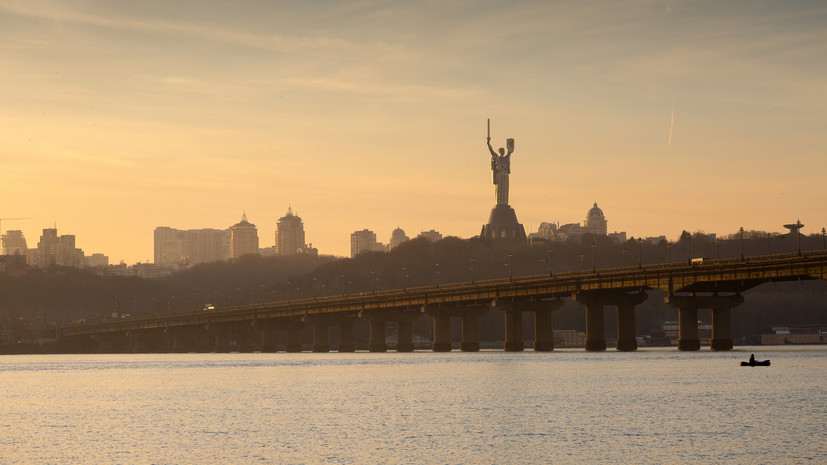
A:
x: 10, y: 219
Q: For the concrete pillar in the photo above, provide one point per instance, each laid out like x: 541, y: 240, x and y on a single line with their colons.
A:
x: 688, y: 328
x: 346, y: 343
x: 269, y: 337
x: 514, y: 330
x: 595, y: 330
x: 688, y: 319
x: 626, y: 337
x: 721, y: 329
x: 442, y: 332
x: 404, y: 335
x: 245, y: 337
x: 320, y: 337
x: 294, y: 337
x: 470, y: 332
x: 377, y: 336
x: 222, y: 340
x: 543, y: 334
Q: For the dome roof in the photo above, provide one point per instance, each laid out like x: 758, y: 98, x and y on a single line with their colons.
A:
x: 595, y: 212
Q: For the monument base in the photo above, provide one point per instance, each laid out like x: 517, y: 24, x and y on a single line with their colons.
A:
x: 503, y: 224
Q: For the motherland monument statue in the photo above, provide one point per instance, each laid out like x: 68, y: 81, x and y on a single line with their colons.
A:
x: 502, y: 224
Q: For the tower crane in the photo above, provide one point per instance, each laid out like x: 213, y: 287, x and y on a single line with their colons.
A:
x: 10, y: 219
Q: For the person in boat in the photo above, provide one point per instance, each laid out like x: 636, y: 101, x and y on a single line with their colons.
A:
x: 752, y: 359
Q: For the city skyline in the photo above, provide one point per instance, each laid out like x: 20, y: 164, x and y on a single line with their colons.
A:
x: 671, y: 116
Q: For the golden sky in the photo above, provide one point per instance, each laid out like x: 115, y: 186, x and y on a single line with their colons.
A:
x: 120, y: 116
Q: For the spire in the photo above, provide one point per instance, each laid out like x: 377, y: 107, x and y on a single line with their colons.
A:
x: 244, y: 217
x: 289, y: 210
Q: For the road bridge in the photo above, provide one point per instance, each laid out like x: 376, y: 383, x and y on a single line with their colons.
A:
x: 709, y: 284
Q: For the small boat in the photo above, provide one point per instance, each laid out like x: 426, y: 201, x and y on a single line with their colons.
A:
x: 757, y: 363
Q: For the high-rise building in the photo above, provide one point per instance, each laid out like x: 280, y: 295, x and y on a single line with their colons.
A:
x: 432, y: 235
x: 596, y: 222
x: 174, y: 247
x: 14, y: 243
x: 290, y: 234
x: 54, y: 250
x: 364, y: 241
x: 243, y: 238
x: 397, y: 237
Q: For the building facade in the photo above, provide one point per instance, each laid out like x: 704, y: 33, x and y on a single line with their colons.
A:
x: 290, y: 234
x: 364, y: 241
x: 14, y: 243
x: 243, y: 238
x: 398, y: 237
x: 596, y: 221
x: 176, y: 247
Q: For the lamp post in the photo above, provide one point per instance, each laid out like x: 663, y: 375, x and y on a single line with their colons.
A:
x: 624, y: 255
x: 288, y: 291
x: 314, y: 288
x: 741, y: 231
x: 594, y: 259
x: 639, y: 252
x: 824, y: 238
x: 582, y: 265
x: 669, y: 248
x: 471, y: 269
x: 717, y: 248
x: 689, y: 249
x: 342, y: 283
x: 436, y: 274
x: 549, y: 262
x: 373, y: 282
x: 403, y: 278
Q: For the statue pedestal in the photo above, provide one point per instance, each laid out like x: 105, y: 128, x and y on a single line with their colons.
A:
x: 503, y: 224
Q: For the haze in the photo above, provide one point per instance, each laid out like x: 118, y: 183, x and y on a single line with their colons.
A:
x: 120, y: 116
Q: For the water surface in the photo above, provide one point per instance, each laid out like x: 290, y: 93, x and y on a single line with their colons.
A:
x: 567, y: 406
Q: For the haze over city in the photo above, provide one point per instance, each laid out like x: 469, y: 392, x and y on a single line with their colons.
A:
x: 122, y: 116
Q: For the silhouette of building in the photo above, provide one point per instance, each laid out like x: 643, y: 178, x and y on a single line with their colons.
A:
x: 290, y: 234
x: 364, y: 241
x: 175, y: 247
x: 596, y: 221
x: 97, y: 260
x: 54, y: 250
x: 432, y: 235
x: 397, y: 237
x: 243, y: 238
x: 14, y: 243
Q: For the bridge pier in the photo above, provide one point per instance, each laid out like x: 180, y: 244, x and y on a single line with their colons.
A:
x: 595, y: 322
x: 346, y: 341
x: 513, y: 324
x: 294, y: 336
x: 222, y: 340
x: 442, y: 314
x: 377, y: 336
x: 269, y: 336
x: 321, y: 335
x: 595, y: 301
x: 688, y: 306
x: 404, y: 336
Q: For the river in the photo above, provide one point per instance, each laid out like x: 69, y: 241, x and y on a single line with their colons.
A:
x: 567, y: 406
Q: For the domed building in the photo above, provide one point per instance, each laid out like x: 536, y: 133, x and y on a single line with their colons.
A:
x: 596, y: 222
x: 398, y: 237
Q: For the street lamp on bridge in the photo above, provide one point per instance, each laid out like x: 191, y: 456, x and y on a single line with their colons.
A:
x: 741, y: 231
x: 639, y: 252
x: 594, y: 259
x: 794, y: 230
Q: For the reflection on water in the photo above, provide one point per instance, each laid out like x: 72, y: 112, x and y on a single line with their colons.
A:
x: 652, y: 406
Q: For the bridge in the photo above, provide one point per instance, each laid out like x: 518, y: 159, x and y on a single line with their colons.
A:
x: 708, y: 284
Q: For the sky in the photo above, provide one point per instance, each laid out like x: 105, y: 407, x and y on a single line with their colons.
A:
x: 120, y: 116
